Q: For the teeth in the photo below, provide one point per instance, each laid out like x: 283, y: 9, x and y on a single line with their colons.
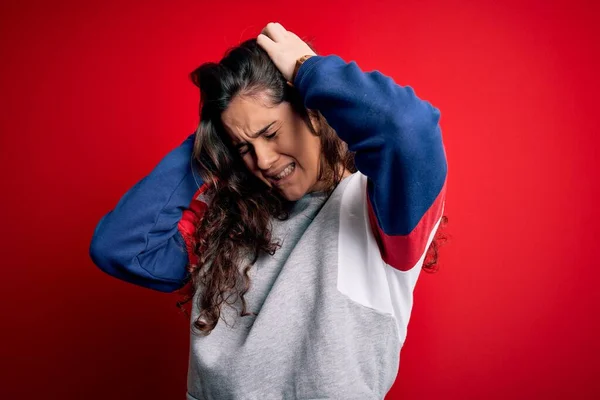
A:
x: 285, y: 172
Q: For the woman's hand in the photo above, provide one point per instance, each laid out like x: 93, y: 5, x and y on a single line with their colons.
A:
x: 284, y: 47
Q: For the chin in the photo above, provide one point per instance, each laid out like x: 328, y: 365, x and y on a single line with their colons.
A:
x: 293, y: 194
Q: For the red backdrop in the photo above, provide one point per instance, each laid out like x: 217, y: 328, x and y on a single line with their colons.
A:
x: 94, y: 95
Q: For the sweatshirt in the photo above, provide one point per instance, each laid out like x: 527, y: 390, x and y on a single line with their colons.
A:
x: 333, y: 303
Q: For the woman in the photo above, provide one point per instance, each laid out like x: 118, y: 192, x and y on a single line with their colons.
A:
x: 310, y: 263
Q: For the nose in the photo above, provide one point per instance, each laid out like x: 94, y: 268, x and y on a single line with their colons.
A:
x: 265, y: 156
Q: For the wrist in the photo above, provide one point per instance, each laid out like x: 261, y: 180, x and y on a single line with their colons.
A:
x: 299, y: 63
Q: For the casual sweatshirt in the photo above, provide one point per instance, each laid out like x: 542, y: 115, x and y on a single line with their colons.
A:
x: 334, y: 302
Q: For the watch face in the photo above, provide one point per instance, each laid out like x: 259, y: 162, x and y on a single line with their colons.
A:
x: 299, y: 62
x: 304, y: 58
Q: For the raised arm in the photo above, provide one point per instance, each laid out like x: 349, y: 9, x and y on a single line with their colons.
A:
x: 398, y: 145
x: 145, y: 239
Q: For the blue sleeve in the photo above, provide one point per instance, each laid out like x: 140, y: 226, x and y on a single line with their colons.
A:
x: 139, y: 240
x: 395, y: 135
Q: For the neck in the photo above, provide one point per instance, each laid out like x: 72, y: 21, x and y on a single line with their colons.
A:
x: 324, y: 185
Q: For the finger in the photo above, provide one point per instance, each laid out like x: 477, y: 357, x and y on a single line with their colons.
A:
x: 275, y: 31
x: 265, y: 42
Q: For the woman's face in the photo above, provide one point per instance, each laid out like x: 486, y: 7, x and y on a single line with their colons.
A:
x: 275, y: 143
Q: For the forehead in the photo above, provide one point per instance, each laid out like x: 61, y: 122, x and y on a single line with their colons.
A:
x: 247, y: 115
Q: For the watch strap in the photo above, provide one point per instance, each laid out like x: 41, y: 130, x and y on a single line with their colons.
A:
x: 299, y: 63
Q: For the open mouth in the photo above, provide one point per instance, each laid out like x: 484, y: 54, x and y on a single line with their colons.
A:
x: 286, y: 173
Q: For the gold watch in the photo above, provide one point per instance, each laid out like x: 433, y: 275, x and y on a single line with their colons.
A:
x: 299, y: 63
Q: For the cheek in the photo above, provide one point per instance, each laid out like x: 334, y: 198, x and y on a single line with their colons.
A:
x: 311, y: 152
x: 250, y: 164
x: 305, y: 148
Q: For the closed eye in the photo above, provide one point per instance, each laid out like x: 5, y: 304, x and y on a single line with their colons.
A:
x: 272, y: 135
x: 244, y: 149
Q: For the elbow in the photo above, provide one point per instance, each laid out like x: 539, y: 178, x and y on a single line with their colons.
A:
x: 106, y: 260
x: 100, y: 253
x: 149, y: 270
x: 99, y: 246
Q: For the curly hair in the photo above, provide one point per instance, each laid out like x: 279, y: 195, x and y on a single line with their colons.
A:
x: 235, y: 227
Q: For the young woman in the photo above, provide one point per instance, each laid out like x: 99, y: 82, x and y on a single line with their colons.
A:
x: 318, y: 192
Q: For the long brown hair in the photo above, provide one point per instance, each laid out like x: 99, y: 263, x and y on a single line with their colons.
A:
x: 235, y: 227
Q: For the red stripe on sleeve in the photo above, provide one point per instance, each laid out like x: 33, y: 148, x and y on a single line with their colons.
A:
x: 404, y: 251
x: 189, y: 220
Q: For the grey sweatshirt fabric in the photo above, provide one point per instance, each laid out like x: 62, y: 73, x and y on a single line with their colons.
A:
x: 309, y: 340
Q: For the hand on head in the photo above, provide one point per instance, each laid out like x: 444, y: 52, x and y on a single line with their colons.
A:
x: 284, y: 47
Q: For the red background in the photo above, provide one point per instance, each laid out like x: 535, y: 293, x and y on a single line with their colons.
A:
x: 94, y: 95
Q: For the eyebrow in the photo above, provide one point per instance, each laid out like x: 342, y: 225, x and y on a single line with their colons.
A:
x: 257, y: 134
